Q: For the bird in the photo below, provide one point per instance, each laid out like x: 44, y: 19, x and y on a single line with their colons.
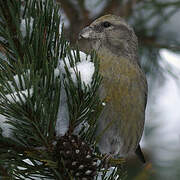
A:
x: 124, y: 86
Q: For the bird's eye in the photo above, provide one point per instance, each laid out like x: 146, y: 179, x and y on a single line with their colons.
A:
x: 106, y: 24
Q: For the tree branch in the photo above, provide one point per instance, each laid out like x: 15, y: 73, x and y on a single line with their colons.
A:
x: 73, y: 15
x: 84, y: 11
x: 127, y: 9
x: 149, y: 41
x: 69, y: 9
x: 111, y: 7
x: 115, y: 7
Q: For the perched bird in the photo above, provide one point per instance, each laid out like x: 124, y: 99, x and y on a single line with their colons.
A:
x: 124, y: 86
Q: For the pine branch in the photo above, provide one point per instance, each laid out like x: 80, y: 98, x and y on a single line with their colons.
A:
x: 10, y: 19
x: 32, y: 117
x: 30, y: 90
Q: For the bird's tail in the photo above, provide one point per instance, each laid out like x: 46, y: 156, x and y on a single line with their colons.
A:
x: 140, y: 155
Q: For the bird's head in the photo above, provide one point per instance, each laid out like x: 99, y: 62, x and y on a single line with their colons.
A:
x: 111, y: 32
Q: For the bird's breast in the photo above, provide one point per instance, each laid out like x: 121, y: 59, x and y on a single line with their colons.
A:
x: 124, y: 91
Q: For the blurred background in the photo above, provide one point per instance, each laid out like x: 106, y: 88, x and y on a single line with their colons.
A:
x: 157, y: 25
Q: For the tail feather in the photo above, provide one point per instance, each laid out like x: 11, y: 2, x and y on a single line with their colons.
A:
x: 140, y: 155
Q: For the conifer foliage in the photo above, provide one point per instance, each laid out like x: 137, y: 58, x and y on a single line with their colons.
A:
x: 31, y: 49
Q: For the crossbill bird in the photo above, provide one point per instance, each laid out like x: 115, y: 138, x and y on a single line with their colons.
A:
x: 124, y: 85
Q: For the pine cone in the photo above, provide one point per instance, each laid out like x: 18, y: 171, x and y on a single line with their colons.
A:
x: 75, y: 157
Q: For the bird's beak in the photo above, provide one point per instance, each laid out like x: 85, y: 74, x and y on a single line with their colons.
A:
x: 85, y: 33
